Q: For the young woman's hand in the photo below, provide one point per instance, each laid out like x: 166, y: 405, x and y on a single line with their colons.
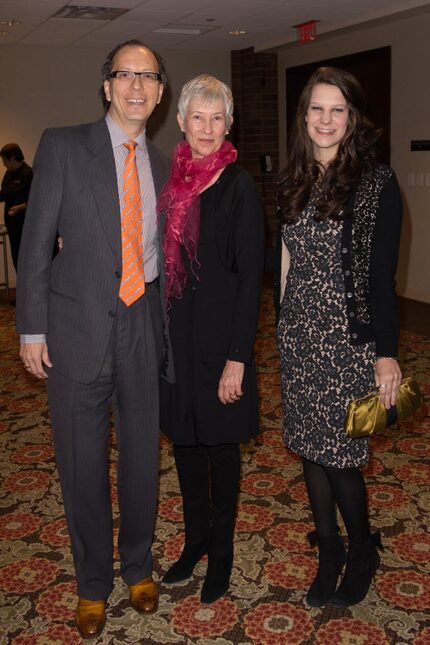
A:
x: 387, y: 379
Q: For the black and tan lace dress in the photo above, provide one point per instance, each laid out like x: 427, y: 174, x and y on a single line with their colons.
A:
x: 320, y: 370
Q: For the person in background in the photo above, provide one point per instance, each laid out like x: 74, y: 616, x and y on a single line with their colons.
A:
x: 15, y: 189
x: 91, y: 322
x: 213, y: 245
x: 338, y: 329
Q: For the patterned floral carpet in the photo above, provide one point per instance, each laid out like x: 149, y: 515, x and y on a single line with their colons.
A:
x: 273, y: 564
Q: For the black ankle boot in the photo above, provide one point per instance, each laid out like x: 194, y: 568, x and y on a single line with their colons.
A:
x: 184, y: 567
x: 332, y: 556
x: 217, y: 580
x: 361, y: 565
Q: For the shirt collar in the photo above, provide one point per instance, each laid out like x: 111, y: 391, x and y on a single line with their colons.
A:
x: 119, y: 137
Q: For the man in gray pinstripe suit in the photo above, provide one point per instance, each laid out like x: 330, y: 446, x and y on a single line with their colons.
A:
x: 93, y: 349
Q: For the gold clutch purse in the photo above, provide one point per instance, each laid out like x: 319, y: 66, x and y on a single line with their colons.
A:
x: 367, y: 415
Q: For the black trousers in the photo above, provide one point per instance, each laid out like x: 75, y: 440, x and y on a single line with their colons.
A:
x: 80, y: 413
x: 14, y: 225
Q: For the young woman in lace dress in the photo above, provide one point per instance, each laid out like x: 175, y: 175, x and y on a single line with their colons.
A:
x: 338, y: 329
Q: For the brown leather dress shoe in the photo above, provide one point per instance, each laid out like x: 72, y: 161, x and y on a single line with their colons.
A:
x: 144, y: 596
x: 90, y: 617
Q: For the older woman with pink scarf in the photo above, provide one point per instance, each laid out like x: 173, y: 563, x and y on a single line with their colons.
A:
x: 212, y: 219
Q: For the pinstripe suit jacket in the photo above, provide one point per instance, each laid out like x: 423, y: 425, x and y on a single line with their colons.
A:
x: 73, y: 298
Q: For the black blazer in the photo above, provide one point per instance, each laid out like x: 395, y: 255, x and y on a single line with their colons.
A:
x: 370, y: 250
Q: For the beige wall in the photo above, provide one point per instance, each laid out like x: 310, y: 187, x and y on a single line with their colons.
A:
x: 48, y: 86
x: 44, y: 87
x: 410, y: 119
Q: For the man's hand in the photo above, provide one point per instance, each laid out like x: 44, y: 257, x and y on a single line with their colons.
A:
x: 35, y: 356
x: 230, y: 383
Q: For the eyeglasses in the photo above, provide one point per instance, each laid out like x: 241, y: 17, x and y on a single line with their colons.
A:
x: 127, y: 75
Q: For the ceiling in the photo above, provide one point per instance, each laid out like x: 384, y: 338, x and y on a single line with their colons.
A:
x: 267, y: 22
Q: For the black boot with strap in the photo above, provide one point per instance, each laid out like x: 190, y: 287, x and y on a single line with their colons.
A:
x: 362, y: 562
x: 331, y: 556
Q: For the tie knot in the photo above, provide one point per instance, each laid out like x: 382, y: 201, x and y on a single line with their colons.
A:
x: 130, y: 145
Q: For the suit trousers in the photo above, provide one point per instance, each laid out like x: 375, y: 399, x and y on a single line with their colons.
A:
x: 80, y: 415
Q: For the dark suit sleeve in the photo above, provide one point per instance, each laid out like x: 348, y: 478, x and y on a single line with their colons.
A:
x: 383, y: 265
x: 39, y: 234
x: 249, y: 263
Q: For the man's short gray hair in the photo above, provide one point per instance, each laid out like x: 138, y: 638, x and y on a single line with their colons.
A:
x: 209, y: 89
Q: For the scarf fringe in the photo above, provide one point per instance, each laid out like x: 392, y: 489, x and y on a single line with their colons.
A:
x: 180, y: 201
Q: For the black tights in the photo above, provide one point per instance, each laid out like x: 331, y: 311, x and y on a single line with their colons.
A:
x: 329, y: 487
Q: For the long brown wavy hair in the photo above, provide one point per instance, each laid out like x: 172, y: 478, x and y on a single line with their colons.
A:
x: 355, y: 155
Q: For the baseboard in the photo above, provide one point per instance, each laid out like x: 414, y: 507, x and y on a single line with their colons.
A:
x: 412, y: 294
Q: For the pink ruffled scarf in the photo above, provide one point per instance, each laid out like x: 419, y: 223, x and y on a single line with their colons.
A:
x: 180, y: 200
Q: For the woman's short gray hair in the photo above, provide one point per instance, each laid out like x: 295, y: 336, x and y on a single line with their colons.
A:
x: 209, y: 89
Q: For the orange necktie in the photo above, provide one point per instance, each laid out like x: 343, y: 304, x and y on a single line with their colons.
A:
x: 133, y: 278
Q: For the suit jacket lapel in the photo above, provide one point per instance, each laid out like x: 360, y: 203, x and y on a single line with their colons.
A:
x: 158, y: 168
x: 105, y: 184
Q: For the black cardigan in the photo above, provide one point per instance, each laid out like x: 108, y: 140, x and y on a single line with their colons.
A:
x: 370, y: 248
